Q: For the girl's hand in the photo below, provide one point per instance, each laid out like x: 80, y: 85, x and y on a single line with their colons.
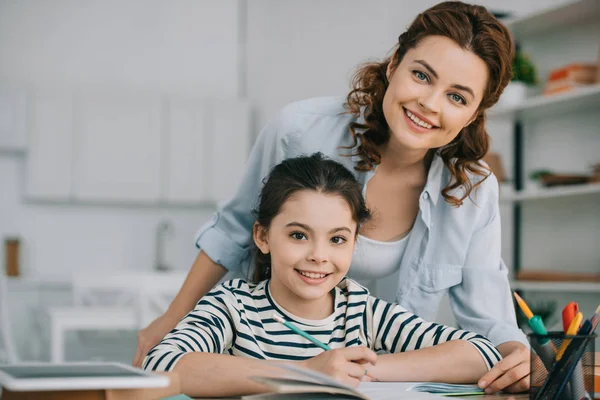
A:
x: 348, y: 365
x: 150, y: 336
x: 510, y: 374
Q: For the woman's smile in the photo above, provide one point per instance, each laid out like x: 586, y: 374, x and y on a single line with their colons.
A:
x: 418, y: 123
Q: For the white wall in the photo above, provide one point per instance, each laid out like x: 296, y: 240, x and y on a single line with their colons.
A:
x: 191, y: 45
x: 177, y: 46
x: 308, y: 48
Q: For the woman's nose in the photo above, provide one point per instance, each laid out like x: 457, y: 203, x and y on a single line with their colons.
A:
x: 430, y: 102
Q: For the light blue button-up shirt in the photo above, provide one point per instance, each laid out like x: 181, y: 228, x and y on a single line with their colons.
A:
x: 450, y: 250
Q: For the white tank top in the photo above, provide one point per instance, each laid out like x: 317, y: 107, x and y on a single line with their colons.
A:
x: 376, y: 264
x: 373, y: 259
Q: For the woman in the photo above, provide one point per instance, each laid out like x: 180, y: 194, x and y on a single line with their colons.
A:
x: 413, y: 131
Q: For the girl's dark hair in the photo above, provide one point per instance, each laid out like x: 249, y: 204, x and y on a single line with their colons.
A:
x: 473, y: 28
x: 315, y: 173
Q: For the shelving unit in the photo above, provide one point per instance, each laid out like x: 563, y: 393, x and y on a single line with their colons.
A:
x: 556, y: 18
x: 507, y: 194
x: 553, y: 287
x: 538, y: 28
x: 581, y: 99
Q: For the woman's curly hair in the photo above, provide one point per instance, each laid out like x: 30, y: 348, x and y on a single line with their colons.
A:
x: 473, y: 28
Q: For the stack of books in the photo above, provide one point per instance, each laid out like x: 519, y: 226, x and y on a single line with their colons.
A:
x: 570, y: 77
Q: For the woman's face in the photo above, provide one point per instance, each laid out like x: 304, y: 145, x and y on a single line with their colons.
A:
x: 311, y: 241
x: 433, y: 93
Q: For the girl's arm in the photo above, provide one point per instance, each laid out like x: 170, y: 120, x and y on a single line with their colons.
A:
x: 219, y: 375
x: 446, y: 354
x: 456, y: 361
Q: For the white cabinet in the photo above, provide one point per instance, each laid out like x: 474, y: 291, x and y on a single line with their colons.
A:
x: 122, y: 147
x: 186, y: 160
x: 230, y: 141
x: 117, y: 147
x: 13, y: 118
x: 49, y: 161
x: 207, y: 144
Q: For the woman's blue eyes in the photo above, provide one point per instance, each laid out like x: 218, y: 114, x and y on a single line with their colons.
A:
x: 459, y: 99
x: 423, y: 77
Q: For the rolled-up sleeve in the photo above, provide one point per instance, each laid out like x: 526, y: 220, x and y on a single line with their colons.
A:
x: 483, y: 302
x: 225, y: 238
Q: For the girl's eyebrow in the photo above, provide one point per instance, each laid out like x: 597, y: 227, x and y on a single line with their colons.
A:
x: 308, y: 228
x: 455, y: 85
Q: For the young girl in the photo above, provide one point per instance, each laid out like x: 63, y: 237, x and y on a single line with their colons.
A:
x: 308, y: 217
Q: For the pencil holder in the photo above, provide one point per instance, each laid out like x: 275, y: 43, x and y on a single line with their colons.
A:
x: 562, y: 366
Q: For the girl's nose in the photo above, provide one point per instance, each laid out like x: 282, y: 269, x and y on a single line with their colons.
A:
x: 317, y: 255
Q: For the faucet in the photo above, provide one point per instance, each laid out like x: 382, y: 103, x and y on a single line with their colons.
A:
x: 163, y: 229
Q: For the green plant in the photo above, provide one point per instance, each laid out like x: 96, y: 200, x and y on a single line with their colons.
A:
x: 539, y: 173
x: 523, y: 68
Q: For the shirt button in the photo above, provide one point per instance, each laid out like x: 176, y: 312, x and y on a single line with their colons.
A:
x: 425, y: 195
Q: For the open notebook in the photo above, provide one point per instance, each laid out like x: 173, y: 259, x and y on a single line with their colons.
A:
x: 308, y: 384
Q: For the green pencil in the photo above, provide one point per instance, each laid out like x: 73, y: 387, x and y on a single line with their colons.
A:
x: 322, y: 345
x: 300, y: 332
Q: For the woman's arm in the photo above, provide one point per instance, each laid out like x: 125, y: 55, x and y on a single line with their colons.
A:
x: 456, y: 361
x: 203, y: 276
x: 224, y: 240
x: 483, y: 303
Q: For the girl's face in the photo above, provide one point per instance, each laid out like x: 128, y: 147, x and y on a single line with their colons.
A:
x: 311, y: 242
x: 433, y: 93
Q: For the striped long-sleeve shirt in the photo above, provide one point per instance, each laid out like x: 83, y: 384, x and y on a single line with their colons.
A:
x: 236, y: 318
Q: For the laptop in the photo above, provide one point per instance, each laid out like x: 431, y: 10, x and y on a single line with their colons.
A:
x: 77, y: 376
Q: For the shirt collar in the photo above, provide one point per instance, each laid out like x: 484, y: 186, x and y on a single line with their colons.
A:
x: 433, y: 187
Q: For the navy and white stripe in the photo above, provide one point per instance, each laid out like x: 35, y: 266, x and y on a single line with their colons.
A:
x: 236, y: 318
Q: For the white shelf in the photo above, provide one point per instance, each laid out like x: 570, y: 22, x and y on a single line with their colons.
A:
x: 568, y: 287
x: 541, y: 106
x: 509, y: 195
x: 549, y: 20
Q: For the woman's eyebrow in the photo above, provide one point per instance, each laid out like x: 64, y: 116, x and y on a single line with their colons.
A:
x: 435, y: 75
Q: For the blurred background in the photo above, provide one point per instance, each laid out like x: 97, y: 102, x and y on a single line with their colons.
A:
x: 124, y: 123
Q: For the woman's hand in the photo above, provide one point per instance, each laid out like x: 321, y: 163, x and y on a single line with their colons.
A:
x: 348, y: 365
x: 150, y: 336
x: 510, y: 374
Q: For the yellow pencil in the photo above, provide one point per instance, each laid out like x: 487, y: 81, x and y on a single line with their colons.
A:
x: 523, y: 305
x: 573, y: 328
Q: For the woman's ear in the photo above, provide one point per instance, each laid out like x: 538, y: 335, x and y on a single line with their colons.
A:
x: 472, y: 119
x: 259, y: 233
x: 389, y: 70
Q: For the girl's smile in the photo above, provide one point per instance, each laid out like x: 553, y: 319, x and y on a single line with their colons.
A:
x: 313, y: 277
